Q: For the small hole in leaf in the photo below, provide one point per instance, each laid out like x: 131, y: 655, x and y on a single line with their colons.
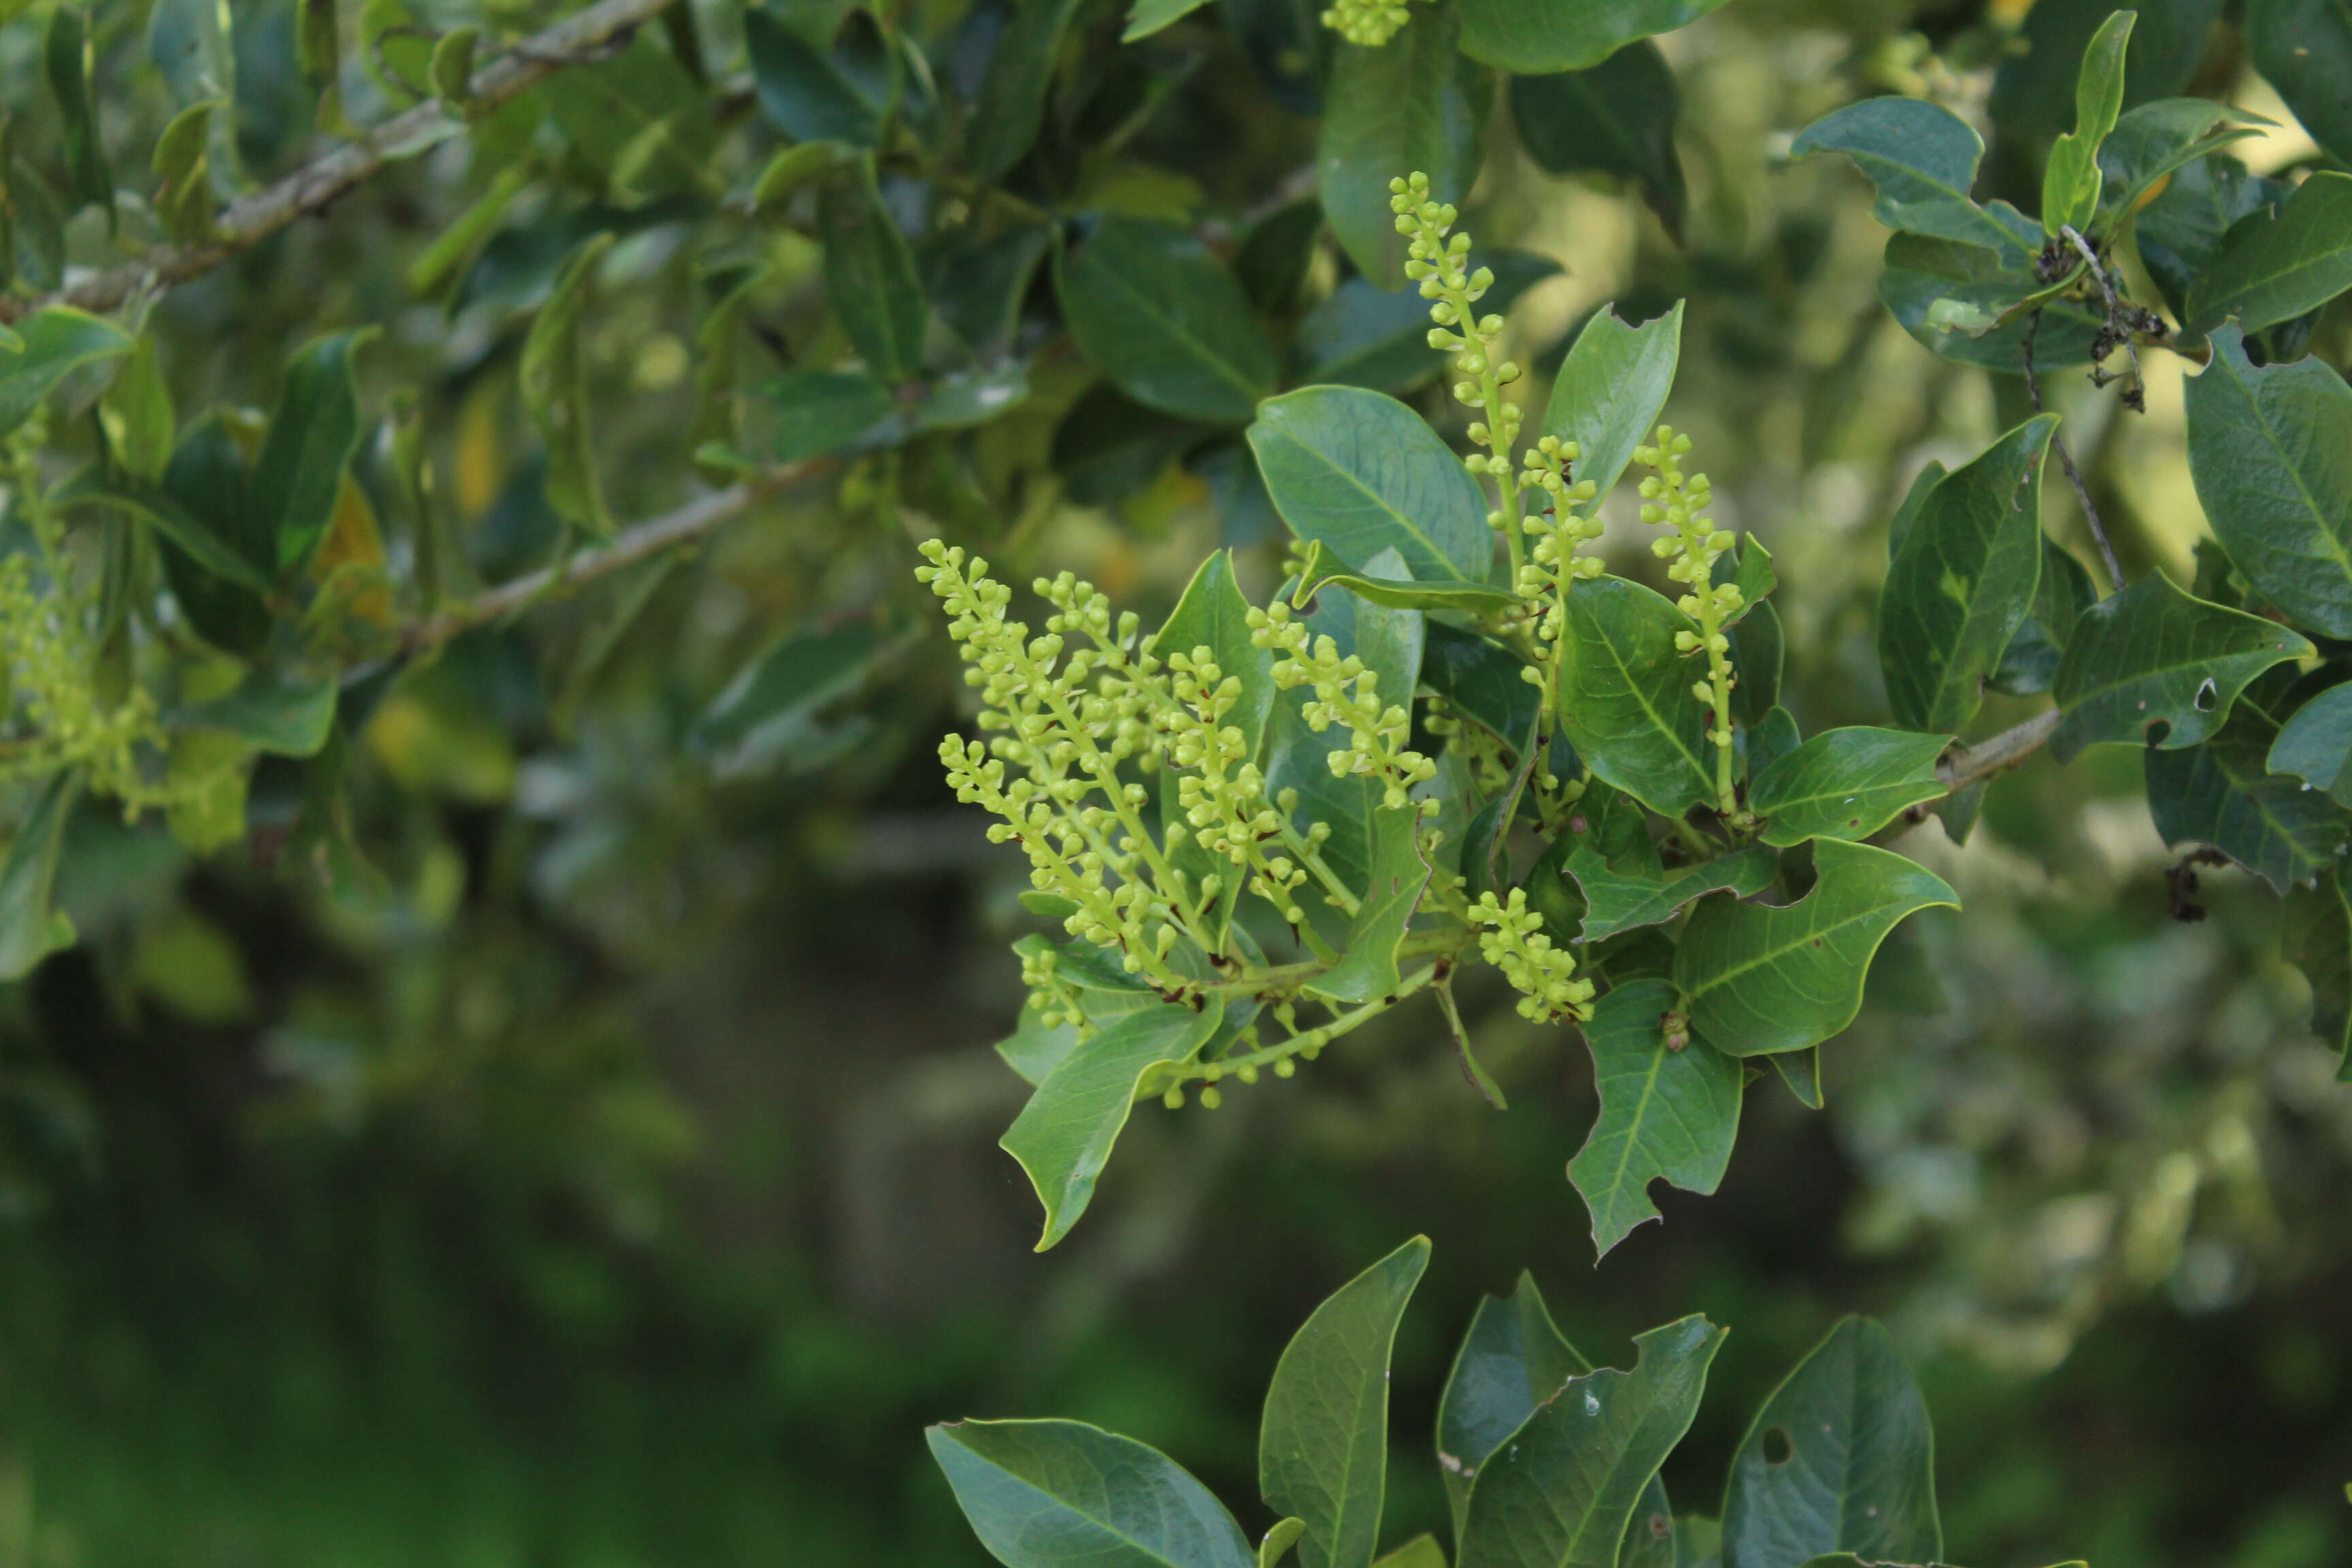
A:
x: 1660, y: 1526
x: 1777, y: 1449
x: 2207, y: 695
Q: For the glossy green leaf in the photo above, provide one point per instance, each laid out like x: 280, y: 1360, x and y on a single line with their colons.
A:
x: 1963, y: 581
x: 313, y: 432
x: 2274, y: 264
x: 2222, y: 794
x: 1668, y: 1112
x: 2072, y: 180
x: 1610, y: 389
x: 2270, y: 449
x: 2060, y: 599
x: 1626, y: 701
x: 1481, y: 680
x: 2316, y: 744
x: 2179, y: 231
x: 2153, y: 141
x: 811, y: 93
x: 66, y: 60
x: 1923, y: 271
x: 1412, y: 104
x: 1322, y: 1452
x: 1617, y: 900
x: 2303, y: 48
x: 1563, y: 1488
x: 1362, y: 473
x: 554, y: 381
x: 1150, y: 16
x: 1923, y: 159
x: 820, y: 411
x: 1846, y: 783
x: 1063, y: 1137
x: 2152, y: 655
x: 869, y: 276
x: 58, y: 341
x: 1165, y: 321
x: 283, y: 714
x: 183, y: 194
x: 1512, y: 1360
x: 1801, y: 1072
x: 1322, y: 569
x: 1616, y: 119
x: 1774, y: 736
x: 1421, y: 1552
x: 1012, y: 103
x: 1760, y: 980
x: 1841, y: 1459
x: 1538, y: 35
x: 1062, y: 1494
x: 30, y: 928
x: 1278, y: 1540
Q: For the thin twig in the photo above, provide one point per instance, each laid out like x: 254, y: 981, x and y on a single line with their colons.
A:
x: 1972, y: 765
x: 2066, y: 461
x: 2121, y: 318
x: 688, y: 525
x: 319, y: 182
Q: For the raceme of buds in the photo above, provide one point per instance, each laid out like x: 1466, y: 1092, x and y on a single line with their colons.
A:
x: 1514, y: 942
x: 1368, y: 23
x: 1346, y: 693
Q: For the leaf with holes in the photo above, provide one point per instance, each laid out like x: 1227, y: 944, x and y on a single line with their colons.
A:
x: 2222, y: 794
x: 1323, y: 1448
x: 1611, y: 388
x: 1841, y: 1459
x: 1760, y: 980
x: 1846, y: 783
x: 2269, y: 447
x: 1667, y: 1111
x: 1923, y: 159
x: 2152, y: 655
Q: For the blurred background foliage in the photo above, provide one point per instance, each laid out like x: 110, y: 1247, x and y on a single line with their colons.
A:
x: 608, y: 1177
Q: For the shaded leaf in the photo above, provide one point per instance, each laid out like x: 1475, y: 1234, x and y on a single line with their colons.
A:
x: 1012, y: 101
x: 820, y: 411
x: 1616, y: 900
x: 1923, y: 159
x: 772, y: 706
x: 1062, y: 1494
x: 1537, y: 36
x: 2274, y: 264
x: 554, y: 381
x: 2152, y: 655
x: 2316, y: 744
x: 869, y: 276
x: 1063, y: 1137
x: 1322, y: 1452
x: 30, y: 927
x: 2316, y: 935
x: 1168, y: 325
x: 1365, y: 336
x: 1394, y: 880
x: 1616, y: 119
x: 2303, y: 48
x: 1412, y: 104
x: 1668, y: 1112
x: 2153, y: 141
x: 814, y: 94
x: 1921, y: 271
x: 2222, y: 794
x: 272, y: 711
x: 313, y: 432
x: 55, y: 341
x: 1846, y: 783
x: 1841, y: 1457
x: 1760, y: 980
x: 1480, y: 679
x: 66, y: 61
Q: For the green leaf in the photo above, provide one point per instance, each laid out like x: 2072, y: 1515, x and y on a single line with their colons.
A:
x: 1421, y: 1552
x: 2222, y: 794
x: 869, y: 276
x: 1539, y: 35
x: 2071, y: 180
x: 1921, y: 272
x: 772, y: 705
x: 1063, y: 1137
x: 66, y: 58
x: 140, y: 419
x: 1563, y: 1488
x: 637, y: 118
x: 1279, y: 1540
x: 1801, y: 1071
x: 184, y: 197
x: 2157, y: 139
x: 1363, y: 473
x: 317, y: 45
x: 1615, y: 118
x: 2316, y: 744
x: 285, y: 715
x: 1665, y: 1112
x: 2316, y: 935
x: 1511, y: 1361
x: 554, y: 381
x: 1841, y: 1459
x: 1774, y: 736
x: 1412, y: 104
x: 1012, y: 103
x: 1626, y: 701
x: 2180, y: 230
x: 821, y: 411
x: 1366, y: 336
x: 1393, y: 884
x: 190, y: 531
x: 1617, y: 900
x: 1322, y: 1452
x: 1963, y: 581
x: 2060, y: 599
x: 30, y: 929
x: 1610, y: 389
x: 2274, y: 264
x: 1923, y: 159
x: 1150, y: 16
x: 1760, y: 980
x: 1846, y: 783
x: 57, y: 341
x: 2303, y: 48
x: 813, y: 93
x: 1758, y: 647
x: 1166, y: 323
x: 1062, y: 1494
x: 1480, y: 679
x: 2152, y: 655
x: 2270, y: 449
x: 1320, y: 571
x: 313, y: 432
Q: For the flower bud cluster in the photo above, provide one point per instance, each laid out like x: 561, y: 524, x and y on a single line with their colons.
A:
x: 1054, y: 1001
x: 1369, y: 22
x: 1670, y: 500
x: 1346, y: 693
x: 1513, y: 940
x: 1440, y: 265
x: 1224, y: 801
x: 1559, y: 531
